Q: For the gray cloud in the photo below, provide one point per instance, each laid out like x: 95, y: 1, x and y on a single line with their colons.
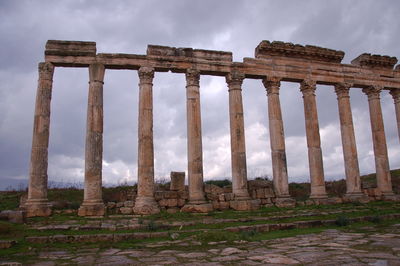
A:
x: 126, y: 27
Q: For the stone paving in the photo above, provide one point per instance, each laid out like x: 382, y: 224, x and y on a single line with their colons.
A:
x: 331, y: 247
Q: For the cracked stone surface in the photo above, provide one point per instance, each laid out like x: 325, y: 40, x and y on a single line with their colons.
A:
x: 375, y: 246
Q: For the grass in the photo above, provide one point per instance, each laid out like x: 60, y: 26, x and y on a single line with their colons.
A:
x: 30, y: 250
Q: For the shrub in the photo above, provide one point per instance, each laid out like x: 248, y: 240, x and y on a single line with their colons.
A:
x: 376, y: 219
x: 220, y: 183
x: 342, y: 221
x: 152, y: 226
x: 5, y: 228
x: 247, y: 235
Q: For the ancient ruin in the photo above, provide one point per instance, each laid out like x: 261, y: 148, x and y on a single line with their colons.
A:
x: 274, y: 62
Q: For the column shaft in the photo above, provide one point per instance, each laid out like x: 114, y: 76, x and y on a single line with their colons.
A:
x: 238, y: 146
x: 92, y: 201
x: 396, y: 98
x: 277, y: 138
x: 313, y: 140
x: 353, y: 182
x: 145, y: 202
x: 194, y: 139
x: 379, y: 140
x: 37, y: 204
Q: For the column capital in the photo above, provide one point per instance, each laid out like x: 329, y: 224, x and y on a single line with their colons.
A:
x: 146, y: 74
x: 373, y: 92
x: 192, y: 77
x: 395, y: 94
x: 46, y: 70
x: 234, y: 80
x: 308, y: 87
x: 342, y: 89
x: 96, y: 73
x: 272, y: 84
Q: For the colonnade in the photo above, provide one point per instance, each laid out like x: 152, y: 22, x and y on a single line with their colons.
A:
x: 37, y: 204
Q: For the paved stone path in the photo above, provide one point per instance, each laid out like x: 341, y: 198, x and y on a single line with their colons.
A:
x: 331, y: 247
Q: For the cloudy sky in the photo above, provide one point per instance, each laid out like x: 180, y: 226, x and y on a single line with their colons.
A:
x: 354, y: 27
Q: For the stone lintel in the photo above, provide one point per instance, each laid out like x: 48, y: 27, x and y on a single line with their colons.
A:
x: 267, y: 49
x: 375, y: 61
x: 190, y: 53
x: 70, y: 48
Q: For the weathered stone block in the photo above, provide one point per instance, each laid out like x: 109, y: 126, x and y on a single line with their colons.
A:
x: 7, y: 243
x: 268, y: 49
x: 199, y: 208
x: 269, y: 192
x: 212, y: 196
x: 119, y: 204
x: 209, y: 55
x: 18, y: 217
x: 227, y: 189
x: 170, y: 194
x: 40, y: 210
x: 183, y: 194
x: 168, y: 202
x: 70, y: 48
x: 126, y: 210
x: 229, y: 196
x: 210, y: 188
x: 244, y: 205
x: 221, y: 197
x: 173, y: 210
x: 285, y: 203
x: 260, y: 193
x: 259, y: 183
x: 375, y: 61
x: 223, y: 205
x: 158, y: 195
x: 215, y: 205
x: 129, y: 203
x: 92, y: 210
x: 111, y: 205
x: 181, y: 202
x: 177, y: 181
x: 266, y: 201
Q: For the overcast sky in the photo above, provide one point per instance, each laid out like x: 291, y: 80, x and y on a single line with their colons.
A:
x: 354, y: 27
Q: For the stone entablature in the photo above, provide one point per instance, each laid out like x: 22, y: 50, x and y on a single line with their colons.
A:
x: 268, y: 49
x: 375, y: 61
x: 274, y: 62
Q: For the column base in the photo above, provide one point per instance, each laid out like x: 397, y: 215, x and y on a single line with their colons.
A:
x: 319, y: 196
x: 356, y: 197
x: 146, y: 206
x: 245, y: 205
x: 390, y: 196
x: 241, y: 194
x: 198, y: 207
x: 318, y: 192
x: 37, y: 208
x: 92, y: 209
x: 285, y: 202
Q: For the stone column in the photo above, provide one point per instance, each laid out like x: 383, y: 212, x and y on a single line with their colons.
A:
x: 197, y: 202
x: 308, y: 88
x: 383, y: 177
x: 145, y: 202
x: 353, y: 182
x: 92, y: 202
x: 238, y: 146
x: 277, y: 138
x: 396, y: 98
x: 37, y: 204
